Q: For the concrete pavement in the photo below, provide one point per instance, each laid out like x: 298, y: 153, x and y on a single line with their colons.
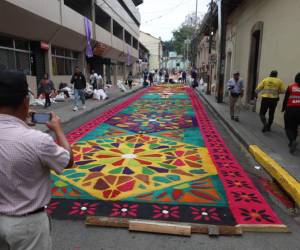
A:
x: 269, y: 149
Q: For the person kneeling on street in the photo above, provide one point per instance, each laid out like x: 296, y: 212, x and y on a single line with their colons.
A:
x: 27, y: 157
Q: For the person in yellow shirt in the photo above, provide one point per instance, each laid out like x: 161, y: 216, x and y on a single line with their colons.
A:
x: 270, y: 88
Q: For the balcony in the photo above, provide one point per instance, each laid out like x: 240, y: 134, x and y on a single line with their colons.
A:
x: 83, y: 7
x: 137, y: 2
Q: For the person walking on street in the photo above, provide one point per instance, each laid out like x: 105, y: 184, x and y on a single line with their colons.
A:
x: 79, y: 82
x: 46, y: 87
x: 184, y: 77
x: 270, y: 88
x: 94, y: 79
x: 236, y: 89
x: 130, y: 80
x: 167, y: 77
x: 151, y: 78
x: 161, y: 76
x: 25, y: 168
x: 291, y: 107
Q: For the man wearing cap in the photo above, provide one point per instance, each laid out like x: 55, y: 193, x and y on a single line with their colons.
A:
x: 26, y: 158
x: 270, y: 88
x: 236, y: 88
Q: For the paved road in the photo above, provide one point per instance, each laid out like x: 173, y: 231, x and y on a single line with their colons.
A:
x: 69, y: 235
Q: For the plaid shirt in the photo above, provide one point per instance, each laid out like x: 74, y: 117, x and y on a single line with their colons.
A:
x: 26, y: 158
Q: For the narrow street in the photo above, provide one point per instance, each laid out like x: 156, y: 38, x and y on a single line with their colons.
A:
x: 149, y: 125
x: 73, y: 234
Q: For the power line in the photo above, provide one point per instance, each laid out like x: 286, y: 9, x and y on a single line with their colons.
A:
x: 167, y: 13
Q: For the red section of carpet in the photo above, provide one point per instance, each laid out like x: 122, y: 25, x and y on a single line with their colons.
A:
x: 248, y: 206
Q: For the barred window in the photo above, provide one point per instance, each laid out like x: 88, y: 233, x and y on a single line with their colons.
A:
x: 64, y: 61
x: 15, y: 54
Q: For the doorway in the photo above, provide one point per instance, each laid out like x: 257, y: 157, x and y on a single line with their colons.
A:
x: 254, y: 60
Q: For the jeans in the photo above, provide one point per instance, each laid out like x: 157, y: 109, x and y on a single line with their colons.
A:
x: 292, y: 122
x: 47, y: 100
x: 268, y: 104
x: 79, y: 94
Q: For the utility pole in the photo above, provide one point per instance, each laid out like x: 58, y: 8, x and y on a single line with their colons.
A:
x: 222, y: 12
x: 208, y: 91
x: 196, y: 16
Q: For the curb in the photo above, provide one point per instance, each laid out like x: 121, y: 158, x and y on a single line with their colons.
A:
x: 273, y: 168
x: 110, y: 100
x: 286, y: 181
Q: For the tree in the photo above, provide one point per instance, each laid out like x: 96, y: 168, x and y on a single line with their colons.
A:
x: 167, y: 47
x: 184, y: 32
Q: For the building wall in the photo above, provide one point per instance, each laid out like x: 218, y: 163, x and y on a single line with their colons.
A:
x: 61, y: 26
x: 154, y: 46
x: 280, y: 41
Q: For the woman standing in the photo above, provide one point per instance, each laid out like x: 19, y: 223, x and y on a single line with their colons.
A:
x: 46, y: 86
x: 130, y: 79
x: 291, y: 106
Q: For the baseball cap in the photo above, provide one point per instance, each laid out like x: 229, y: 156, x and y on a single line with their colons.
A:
x: 236, y: 72
x: 13, y: 84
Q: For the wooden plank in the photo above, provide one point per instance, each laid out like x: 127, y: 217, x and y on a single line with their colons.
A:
x: 223, y: 230
x: 213, y: 231
x: 106, y: 222
x: 264, y: 228
x: 160, y: 227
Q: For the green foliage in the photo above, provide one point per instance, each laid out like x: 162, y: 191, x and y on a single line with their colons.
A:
x: 180, y: 35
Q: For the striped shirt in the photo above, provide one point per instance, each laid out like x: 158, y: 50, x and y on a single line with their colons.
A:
x: 26, y: 158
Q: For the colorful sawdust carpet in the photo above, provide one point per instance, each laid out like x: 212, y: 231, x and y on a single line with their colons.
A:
x: 157, y: 156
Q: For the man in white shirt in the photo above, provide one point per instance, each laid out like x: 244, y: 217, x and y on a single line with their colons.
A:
x: 236, y: 88
x: 27, y: 156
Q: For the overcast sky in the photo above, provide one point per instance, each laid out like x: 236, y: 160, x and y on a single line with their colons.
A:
x: 161, y: 17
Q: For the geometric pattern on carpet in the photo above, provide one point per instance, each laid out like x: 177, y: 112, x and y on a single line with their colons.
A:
x: 149, y: 123
x: 122, y: 167
x: 143, y: 159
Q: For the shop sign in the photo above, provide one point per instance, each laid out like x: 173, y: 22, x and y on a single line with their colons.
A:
x: 44, y: 45
x: 99, y: 49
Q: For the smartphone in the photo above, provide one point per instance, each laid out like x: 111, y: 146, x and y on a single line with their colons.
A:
x: 40, y: 118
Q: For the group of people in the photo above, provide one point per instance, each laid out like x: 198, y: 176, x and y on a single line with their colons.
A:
x: 270, y: 89
x: 78, y: 80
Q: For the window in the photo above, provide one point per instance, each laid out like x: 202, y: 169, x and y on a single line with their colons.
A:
x: 64, y: 61
x: 15, y: 55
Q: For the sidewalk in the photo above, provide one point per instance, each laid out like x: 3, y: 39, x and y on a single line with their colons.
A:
x: 65, y: 109
x: 269, y: 149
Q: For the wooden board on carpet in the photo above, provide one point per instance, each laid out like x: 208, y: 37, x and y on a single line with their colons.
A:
x: 125, y: 223
x: 160, y: 227
x: 264, y: 228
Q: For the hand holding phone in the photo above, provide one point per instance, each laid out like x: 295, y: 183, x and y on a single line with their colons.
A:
x: 54, y: 124
x: 40, y: 118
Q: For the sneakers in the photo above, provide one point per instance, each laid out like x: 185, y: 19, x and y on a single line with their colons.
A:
x: 265, y: 128
x: 237, y: 119
x: 293, y: 146
x: 75, y: 108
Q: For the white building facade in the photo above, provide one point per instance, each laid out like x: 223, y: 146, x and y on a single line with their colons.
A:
x: 49, y: 36
x: 154, y: 45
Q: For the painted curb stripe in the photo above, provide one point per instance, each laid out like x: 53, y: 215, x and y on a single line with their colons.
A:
x: 289, y: 183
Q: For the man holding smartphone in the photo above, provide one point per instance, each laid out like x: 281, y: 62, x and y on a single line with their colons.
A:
x: 26, y: 158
